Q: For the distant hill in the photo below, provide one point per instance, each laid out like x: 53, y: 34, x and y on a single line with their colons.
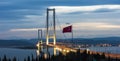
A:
x: 110, y: 40
x: 32, y: 42
x: 15, y: 43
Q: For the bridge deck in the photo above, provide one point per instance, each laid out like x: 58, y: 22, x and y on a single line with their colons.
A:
x: 68, y: 47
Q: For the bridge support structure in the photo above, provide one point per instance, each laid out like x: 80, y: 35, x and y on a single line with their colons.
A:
x: 48, y: 36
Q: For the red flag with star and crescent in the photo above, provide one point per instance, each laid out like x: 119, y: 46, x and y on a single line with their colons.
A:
x: 67, y: 29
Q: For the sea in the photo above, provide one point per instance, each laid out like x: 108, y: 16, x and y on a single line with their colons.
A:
x: 20, y: 54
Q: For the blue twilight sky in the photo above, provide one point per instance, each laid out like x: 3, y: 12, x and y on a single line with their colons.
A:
x: 90, y: 18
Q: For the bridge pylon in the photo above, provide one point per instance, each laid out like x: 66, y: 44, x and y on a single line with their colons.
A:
x: 48, y: 36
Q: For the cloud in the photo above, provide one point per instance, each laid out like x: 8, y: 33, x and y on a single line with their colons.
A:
x: 95, y: 26
x: 17, y: 9
x: 28, y: 29
x: 82, y: 29
x: 23, y: 15
x: 5, y: 3
x: 79, y: 26
x: 85, y: 9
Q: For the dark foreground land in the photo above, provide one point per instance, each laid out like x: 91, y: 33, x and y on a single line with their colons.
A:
x: 71, y: 56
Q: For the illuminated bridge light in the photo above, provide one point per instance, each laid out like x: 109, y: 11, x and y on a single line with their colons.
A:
x: 64, y: 50
x: 38, y: 52
x: 38, y: 44
x: 45, y: 56
x: 68, y: 51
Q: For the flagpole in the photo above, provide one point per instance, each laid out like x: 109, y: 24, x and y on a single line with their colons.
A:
x: 72, y: 35
x: 69, y: 29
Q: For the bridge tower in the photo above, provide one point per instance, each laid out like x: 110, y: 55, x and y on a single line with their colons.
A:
x: 48, y: 36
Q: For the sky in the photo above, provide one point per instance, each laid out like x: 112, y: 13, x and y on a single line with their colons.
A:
x: 20, y: 19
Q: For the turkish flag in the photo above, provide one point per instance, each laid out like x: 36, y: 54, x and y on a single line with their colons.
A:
x: 67, y: 29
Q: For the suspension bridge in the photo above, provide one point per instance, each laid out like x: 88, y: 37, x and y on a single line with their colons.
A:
x: 63, y: 47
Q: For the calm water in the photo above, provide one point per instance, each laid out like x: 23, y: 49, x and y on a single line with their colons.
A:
x: 115, y: 50
x: 24, y: 53
x: 20, y: 54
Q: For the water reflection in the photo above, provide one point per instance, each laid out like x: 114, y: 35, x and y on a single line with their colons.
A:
x: 46, y: 51
x: 39, y: 50
x: 55, y: 51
